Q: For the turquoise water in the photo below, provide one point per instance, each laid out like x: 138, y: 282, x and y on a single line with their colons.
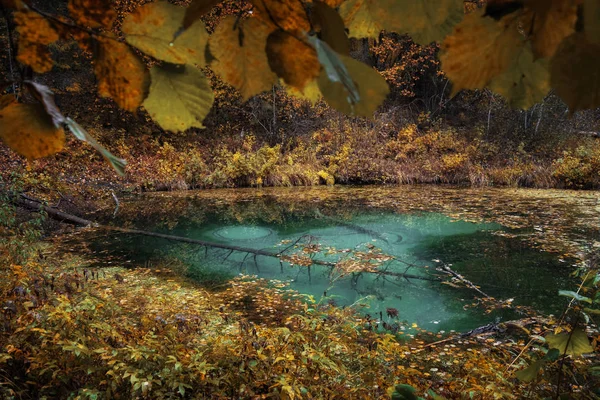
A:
x: 503, y: 267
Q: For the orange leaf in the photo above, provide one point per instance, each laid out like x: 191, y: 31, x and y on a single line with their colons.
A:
x: 35, y: 32
x: 292, y: 60
x: 492, y: 43
x: 333, y: 3
x: 239, y: 56
x: 549, y: 23
x: 197, y: 9
x: 121, y: 74
x: 288, y: 15
x: 28, y: 130
x: 14, y: 4
x: 6, y: 100
x: 93, y: 13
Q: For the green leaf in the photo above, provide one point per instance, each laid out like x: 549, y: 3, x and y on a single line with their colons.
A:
x: 552, y: 355
x: 45, y: 96
x: 575, y: 343
x: 434, y: 395
x: 117, y: 163
x: 530, y: 373
x: 156, y: 29
x: 335, y: 68
x: 576, y: 296
x: 347, y: 84
x: 180, y: 97
x: 593, y: 311
x: 404, y: 392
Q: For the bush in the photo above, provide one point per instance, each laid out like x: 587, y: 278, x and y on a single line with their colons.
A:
x: 579, y: 168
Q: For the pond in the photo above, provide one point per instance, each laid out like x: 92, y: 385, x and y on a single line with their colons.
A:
x: 519, y: 246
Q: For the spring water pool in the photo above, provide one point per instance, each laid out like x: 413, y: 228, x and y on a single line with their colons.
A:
x: 499, y: 248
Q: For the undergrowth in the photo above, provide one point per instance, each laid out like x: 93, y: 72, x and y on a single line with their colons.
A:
x: 345, y: 154
x: 73, y: 331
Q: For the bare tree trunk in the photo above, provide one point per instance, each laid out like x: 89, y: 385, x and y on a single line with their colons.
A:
x: 537, y: 126
x: 489, y: 118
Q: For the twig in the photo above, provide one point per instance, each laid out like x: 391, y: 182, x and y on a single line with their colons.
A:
x: 11, y: 49
x: 470, y: 284
x: 70, y: 24
x: 562, y: 360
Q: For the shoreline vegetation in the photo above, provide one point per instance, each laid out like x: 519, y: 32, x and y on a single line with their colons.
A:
x: 346, y: 154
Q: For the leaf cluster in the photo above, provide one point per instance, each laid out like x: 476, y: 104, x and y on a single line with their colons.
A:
x: 522, y: 48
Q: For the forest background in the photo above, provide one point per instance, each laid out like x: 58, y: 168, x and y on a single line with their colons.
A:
x: 419, y: 135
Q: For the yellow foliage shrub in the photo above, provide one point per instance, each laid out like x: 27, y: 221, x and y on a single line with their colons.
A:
x: 326, y: 177
x: 578, y: 168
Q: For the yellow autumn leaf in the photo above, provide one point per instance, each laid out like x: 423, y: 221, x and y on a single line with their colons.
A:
x: 240, y: 60
x: 425, y: 21
x: 331, y: 26
x: 479, y: 49
x: 180, y: 97
x: 121, y: 74
x: 154, y: 28
x: 360, y: 20
x: 28, y: 130
x: 310, y: 92
x: 574, y: 72
x: 573, y: 343
x: 196, y: 10
x: 525, y: 82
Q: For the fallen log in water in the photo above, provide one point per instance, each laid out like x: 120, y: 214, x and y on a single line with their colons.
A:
x: 36, y: 205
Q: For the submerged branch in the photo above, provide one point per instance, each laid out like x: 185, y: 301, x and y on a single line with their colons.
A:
x: 446, y: 268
